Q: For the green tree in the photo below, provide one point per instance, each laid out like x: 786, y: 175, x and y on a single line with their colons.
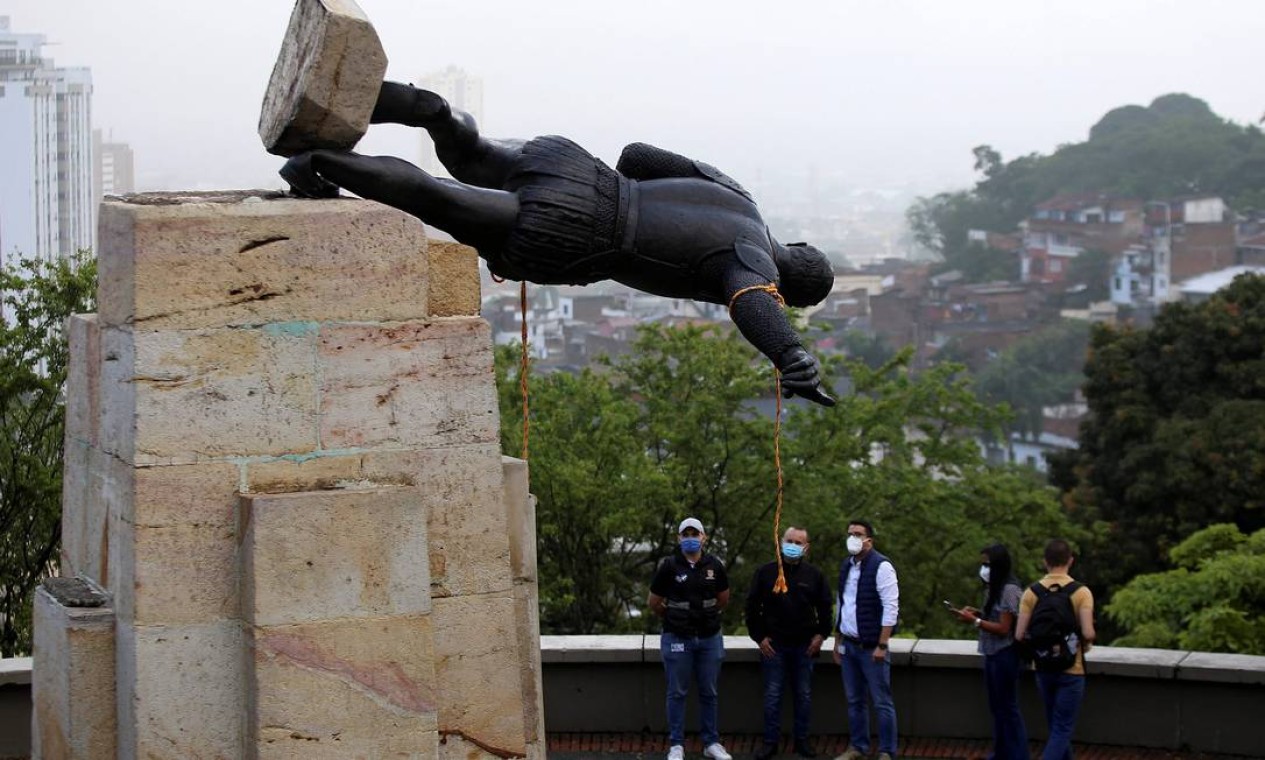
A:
x: 1212, y: 601
x: 901, y: 453
x: 1174, y: 146
x: 620, y: 455
x: 38, y: 297
x: 1040, y: 370
x: 1175, y: 438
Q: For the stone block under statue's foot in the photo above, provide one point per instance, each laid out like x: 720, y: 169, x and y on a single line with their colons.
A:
x: 326, y: 79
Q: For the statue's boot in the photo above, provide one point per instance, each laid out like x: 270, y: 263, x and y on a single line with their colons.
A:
x: 411, y: 106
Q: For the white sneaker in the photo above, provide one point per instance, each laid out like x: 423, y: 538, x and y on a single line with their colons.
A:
x: 716, y: 751
x: 676, y: 752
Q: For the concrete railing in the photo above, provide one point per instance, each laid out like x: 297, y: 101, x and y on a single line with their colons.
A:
x: 1156, y: 698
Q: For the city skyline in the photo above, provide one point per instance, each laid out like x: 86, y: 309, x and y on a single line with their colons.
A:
x: 891, y: 97
x: 46, y: 190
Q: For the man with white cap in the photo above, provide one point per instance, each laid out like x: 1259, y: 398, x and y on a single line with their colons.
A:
x: 689, y: 591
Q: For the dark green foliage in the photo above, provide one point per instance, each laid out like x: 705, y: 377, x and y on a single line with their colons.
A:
x: 38, y: 297
x: 1040, y: 370
x: 1176, y: 146
x: 1175, y: 440
x: 620, y: 455
x: 1213, y: 601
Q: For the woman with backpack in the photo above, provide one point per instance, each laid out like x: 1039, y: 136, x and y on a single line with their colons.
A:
x: 1002, y: 664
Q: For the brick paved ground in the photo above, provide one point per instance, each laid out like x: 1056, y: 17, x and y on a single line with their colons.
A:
x: 648, y: 747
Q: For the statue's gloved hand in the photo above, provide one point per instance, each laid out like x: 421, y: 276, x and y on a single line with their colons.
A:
x: 801, y: 376
x: 304, y: 180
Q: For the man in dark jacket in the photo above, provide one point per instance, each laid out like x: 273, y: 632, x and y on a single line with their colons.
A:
x: 869, y: 606
x: 790, y: 628
x: 689, y: 591
x: 547, y: 211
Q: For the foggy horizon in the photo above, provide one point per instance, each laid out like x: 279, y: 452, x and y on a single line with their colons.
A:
x: 857, y: 96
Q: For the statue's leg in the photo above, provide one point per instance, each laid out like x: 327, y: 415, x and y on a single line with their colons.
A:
x: 470, y: 157
x: 476, y: 216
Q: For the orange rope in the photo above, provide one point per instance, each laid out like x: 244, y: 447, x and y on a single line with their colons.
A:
x: 779, y: 586
x: 522, y: 370
x: 771, y: 289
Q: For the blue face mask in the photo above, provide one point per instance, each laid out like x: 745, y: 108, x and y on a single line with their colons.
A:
x: 792, y: 551
x: 691, y: 545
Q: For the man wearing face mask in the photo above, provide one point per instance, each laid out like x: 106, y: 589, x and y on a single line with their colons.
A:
x: 790, y: 629
x: 689, y: 591
x: 869, y: 604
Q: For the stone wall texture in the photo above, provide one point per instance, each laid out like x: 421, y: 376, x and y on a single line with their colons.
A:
x: 282, y: 464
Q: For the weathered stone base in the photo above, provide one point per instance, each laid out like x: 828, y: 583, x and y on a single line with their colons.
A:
x: 282, y: 463
x: 74, y: 716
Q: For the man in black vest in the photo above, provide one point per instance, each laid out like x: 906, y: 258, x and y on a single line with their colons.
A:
x: 689, y: 591
x: 869, y: 604
x: 547, y: 211
x: 790, y: 628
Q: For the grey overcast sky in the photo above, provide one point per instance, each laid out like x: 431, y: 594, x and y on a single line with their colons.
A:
x: 881, y: 93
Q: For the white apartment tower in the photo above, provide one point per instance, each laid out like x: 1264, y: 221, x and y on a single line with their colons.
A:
x: 46, y: 207
x: 464, y: 93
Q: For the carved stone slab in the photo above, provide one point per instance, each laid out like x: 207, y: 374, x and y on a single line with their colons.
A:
x: 326, y: 80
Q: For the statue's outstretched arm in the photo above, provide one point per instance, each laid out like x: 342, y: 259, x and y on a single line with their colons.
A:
x: 761, y: 320
x: 475, y: 216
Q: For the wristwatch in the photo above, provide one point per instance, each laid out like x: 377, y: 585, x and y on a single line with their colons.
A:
x: 882, y: 646
x: 979, y: 622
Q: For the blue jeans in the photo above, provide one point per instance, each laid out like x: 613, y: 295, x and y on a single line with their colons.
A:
x: 1001, y: 679
x: 788, y: 663
x: 861, y: 673
x: 685, y: 659
x: 1062, y: 694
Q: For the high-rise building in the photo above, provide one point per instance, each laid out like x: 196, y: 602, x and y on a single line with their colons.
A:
x: 115, y: 173
x: 46, y: 207
x: 464, y: 93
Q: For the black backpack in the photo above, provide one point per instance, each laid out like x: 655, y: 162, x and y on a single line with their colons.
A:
x: 1053, y: 636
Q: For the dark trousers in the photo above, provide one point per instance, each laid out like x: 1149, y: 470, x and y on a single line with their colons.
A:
x: 1001, y: 679
x: 1062, y: 694
x: 789, y: 666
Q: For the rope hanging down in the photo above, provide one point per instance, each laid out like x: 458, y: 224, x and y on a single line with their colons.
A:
x: 522, y: 370
x: 523, y: 366
x: 779, y: 585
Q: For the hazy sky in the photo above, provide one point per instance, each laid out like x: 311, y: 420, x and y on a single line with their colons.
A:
x: 881, y: 93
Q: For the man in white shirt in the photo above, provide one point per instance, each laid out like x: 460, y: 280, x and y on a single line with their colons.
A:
x: 869, y: 604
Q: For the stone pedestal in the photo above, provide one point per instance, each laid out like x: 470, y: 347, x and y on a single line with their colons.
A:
x: 282, y: 463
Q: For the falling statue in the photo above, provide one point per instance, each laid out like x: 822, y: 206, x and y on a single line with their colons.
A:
x: 547, y: 211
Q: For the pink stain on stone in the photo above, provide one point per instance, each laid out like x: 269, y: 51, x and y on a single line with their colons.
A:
x: 385, y: 679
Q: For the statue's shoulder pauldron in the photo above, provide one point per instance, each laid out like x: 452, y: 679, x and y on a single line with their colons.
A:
x: 722, y: 179
x: 756, y: 257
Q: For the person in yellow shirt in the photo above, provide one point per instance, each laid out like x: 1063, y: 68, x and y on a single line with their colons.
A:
x: 1057, y: 596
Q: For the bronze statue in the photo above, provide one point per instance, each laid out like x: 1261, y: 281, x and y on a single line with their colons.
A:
x: 547, y: 211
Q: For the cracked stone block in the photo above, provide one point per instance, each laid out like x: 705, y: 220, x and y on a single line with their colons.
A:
x: 171, y: 261
x: 184, y: 396
x: 323, y: 555
x: 411, y: 385
x: 326, y: 79
x: 343, y: 688
x: 181, y: 690
x: 477, y: 672
x: 461, y: 486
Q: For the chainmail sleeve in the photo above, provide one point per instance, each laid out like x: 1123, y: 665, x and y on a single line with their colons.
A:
x: 756, y: 313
